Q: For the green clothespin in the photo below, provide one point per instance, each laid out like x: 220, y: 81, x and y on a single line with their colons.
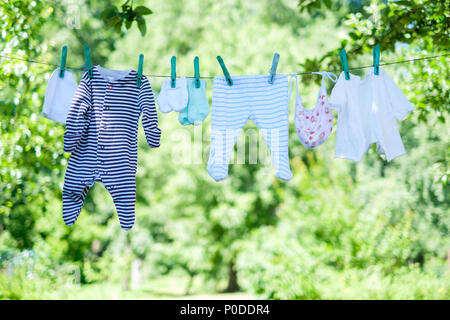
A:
x: 140, y: 69
x: 273, y: 70
x: 197, y: 73
x: 343, y: 56
x: 88, y: 63
x: 376, y: 59
x: 225, y: 71
x: 62, y: 67
x: 173, y: 73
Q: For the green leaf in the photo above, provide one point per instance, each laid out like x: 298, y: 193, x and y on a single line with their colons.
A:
x: 112, y: 22
x: 354, y: 36
x: 141, y: 10
x: 404, y: 3
x: 123, y: 15
x: 118, y: 26
x: 125, y: 6
x: 108, y: 13
x: 141, y: 25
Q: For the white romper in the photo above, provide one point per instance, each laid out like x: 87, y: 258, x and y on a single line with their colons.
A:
x: 367, y: 113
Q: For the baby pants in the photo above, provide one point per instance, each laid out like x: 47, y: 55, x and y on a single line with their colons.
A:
x: 250, y: 97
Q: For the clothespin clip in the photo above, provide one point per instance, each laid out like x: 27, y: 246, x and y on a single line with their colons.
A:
x: 62, y: 67
x: 273, y: 70
x: 140, y: 69
x: 376, y: 60
x: 343, y: 56
x: 225, y: 71
x: 173, y: 73
x: 88, y: 62
x: 197, y: 73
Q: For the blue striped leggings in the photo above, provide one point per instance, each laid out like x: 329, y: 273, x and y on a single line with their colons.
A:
x: 250, y: 97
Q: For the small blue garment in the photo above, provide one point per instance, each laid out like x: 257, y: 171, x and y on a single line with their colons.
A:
x: 183, y: 117
x: 198, y: 107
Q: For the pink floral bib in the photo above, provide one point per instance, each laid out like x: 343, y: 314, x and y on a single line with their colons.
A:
x: 313, y: 126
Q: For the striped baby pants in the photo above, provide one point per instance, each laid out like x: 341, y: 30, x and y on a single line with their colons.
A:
x: 250, y: 97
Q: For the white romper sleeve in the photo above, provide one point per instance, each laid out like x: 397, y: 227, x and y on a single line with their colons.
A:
x: 399, y: 104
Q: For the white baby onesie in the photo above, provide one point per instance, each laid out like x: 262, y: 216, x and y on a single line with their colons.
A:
x: 385, y: 104
x: 58, y: 96
x: 350, y: 138
x: 379, y: 102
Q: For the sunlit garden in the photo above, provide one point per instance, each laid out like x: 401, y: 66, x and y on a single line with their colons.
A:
x: 338, y: 229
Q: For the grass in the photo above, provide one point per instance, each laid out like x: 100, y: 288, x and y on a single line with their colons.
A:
x: 168, y: 287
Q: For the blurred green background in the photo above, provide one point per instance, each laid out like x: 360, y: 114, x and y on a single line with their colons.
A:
x: 337, y: 230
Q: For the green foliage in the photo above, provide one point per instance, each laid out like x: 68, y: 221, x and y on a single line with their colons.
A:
x: 23, y: 275
x: 337, y: 230
x: 312, y: 6
x: 355, y: 243
x: 29, y: 165
x: 318, y: 7
x: 116, y: 19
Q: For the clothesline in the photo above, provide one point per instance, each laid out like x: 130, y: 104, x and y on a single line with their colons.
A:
x: 212, y: 77
x: 105, y: 114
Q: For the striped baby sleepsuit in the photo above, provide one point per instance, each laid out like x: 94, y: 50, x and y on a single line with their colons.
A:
x: 101, y: 134
x: 250, y: 97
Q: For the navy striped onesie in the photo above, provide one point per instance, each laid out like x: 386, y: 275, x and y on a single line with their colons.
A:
x: 101, y: 134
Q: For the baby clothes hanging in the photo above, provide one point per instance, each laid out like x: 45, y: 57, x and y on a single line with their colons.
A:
x: 58, y: 96
x: 367, y: 113
x: 183, y: 117
x: 350, y: 137
x: 313, y: 126
x: 198, y: 107
x: 101, y: 134
x: 173, y: 98
x: 250, y: 97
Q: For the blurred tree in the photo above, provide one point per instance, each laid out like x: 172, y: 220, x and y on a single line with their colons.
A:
x: 29, y: 164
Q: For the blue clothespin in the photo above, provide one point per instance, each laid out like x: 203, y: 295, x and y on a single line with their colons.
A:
x: 173, y: 73
x: 140, y: 69
x: 343, y: 56
x: 225, y: 71
x: 62, y: 67
x: 88, y: 62
x: 197, y: 73
x: 273, y: 70
x: 376, y: 59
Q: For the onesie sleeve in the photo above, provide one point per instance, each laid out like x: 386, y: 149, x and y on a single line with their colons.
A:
x: 399, y: 104
x: 78, y: 116
x: 338, y: 96
x: 146, y: 102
